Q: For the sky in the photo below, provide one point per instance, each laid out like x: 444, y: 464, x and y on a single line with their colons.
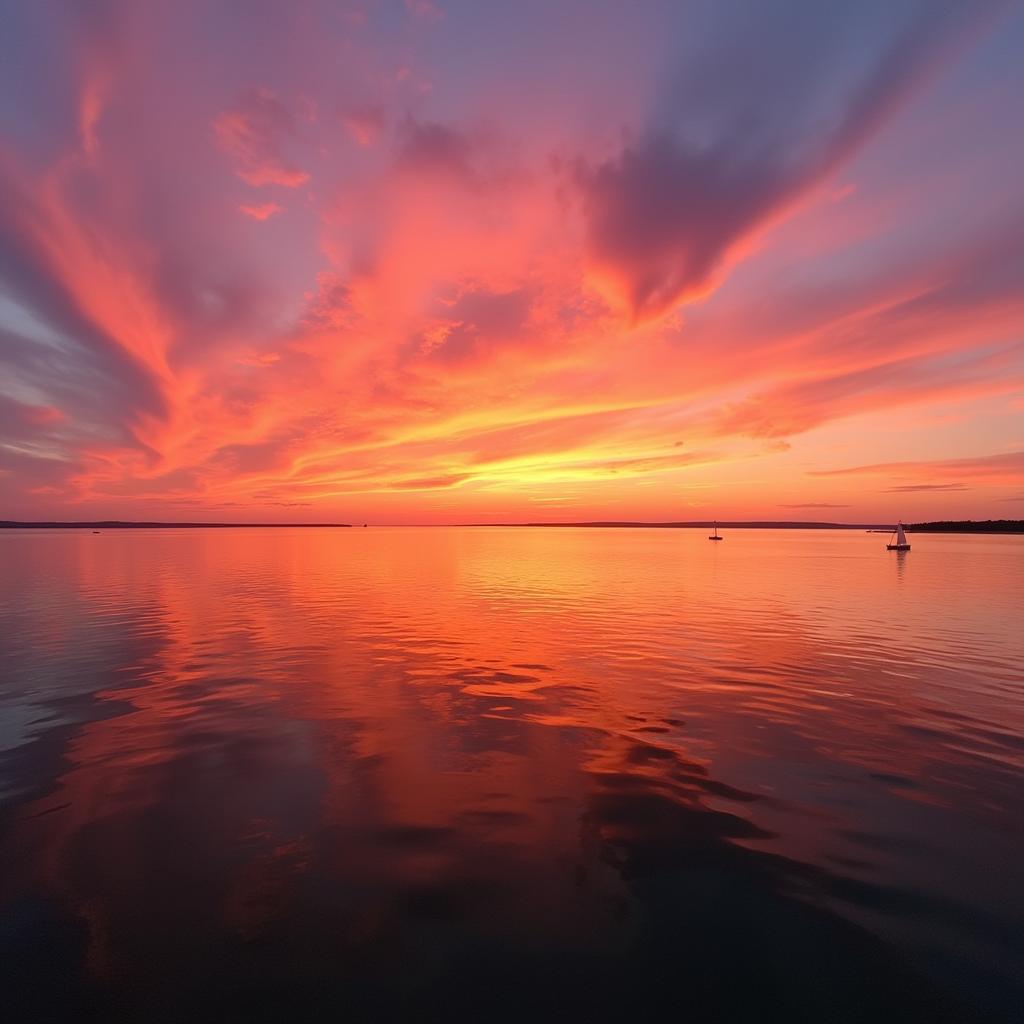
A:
x: 444, y: 262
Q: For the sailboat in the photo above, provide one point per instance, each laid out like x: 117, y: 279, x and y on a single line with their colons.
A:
x: 714, y: 536
x: 902, y: 544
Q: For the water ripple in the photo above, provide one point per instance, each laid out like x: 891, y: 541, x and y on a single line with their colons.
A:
x: 617, y: 759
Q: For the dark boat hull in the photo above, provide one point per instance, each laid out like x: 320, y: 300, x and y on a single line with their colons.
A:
x: 897, y: 547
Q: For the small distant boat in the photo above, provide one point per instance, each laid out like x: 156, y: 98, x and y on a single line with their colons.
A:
x: 901, y: 540
x: 714, y: 536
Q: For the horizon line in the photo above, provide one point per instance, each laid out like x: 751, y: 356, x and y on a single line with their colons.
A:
x: 606, y: 523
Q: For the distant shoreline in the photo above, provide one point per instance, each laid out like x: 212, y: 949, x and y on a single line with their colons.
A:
x: 970, y: 526
x: 964, y: 526
x: 117, y: 524
x: 721, y: 524
x: 1004, y: 526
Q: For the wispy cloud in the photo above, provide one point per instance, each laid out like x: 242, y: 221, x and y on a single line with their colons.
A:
x: 1001, y: 466
x: 257, y: 132
x: 913, y: 488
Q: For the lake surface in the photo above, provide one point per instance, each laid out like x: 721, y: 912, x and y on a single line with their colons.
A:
x: 505, y: 773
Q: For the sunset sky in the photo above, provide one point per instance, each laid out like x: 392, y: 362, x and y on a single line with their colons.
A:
x: 441, y: 261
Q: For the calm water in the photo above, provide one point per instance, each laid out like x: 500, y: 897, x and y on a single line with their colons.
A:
x: 486, y: 773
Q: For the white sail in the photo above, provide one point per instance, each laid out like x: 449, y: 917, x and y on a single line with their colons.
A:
x: 901, y: 537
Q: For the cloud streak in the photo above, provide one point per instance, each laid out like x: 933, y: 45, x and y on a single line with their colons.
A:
x: 1008, y: 465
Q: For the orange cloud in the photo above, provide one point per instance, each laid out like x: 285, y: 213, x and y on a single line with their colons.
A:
x: 261, y: 211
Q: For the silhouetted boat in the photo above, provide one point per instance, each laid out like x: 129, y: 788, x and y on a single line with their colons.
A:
x: 901, y: 540
x: 714, y: 536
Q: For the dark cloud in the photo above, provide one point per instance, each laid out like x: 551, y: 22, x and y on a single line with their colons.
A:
x: 430, y: 147
x: 788, y: 92
x: 28, y: 272
x: 96, y: 393
x: 23, y: 472
x: 21, y: 420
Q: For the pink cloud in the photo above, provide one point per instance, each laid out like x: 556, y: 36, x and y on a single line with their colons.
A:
x: 364, y: 124
x: 256, y: 133
x: 261, y: 211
